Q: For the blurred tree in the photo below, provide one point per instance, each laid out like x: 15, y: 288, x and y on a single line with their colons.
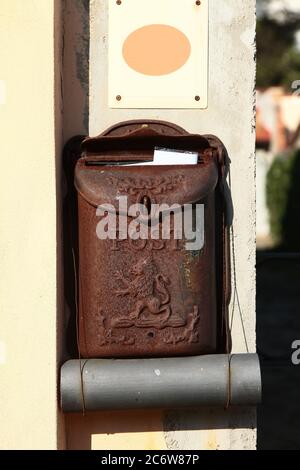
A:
x: 278, y: 59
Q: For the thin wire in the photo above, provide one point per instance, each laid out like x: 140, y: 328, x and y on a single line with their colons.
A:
x: 232, y: 311
x: 229, y: 369
x: 236, y: 298
x: 81, y: 367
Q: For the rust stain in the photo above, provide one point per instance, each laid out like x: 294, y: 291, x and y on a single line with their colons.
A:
x: 211, y: 443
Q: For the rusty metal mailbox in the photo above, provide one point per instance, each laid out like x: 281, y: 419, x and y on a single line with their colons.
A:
x: 143, y: 297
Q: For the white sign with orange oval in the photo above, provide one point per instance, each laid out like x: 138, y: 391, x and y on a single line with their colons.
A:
x: 158, y: 53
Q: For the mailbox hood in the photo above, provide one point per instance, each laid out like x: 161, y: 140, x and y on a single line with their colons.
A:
x: 162, y: 185
x: 102, y: 176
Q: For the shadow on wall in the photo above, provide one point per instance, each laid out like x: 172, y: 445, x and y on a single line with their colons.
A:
x: 149, y: 429
x: 75, y: 89
x: 76, y: 68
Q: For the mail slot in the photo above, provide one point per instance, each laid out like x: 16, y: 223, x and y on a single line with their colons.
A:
x: 158, y: 294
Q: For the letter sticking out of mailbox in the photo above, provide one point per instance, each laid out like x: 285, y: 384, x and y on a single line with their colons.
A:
x: 146, y: 289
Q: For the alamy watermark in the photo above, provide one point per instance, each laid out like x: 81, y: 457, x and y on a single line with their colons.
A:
x: 296, y: 87
x: 144, y: 221
x: 296, y: 353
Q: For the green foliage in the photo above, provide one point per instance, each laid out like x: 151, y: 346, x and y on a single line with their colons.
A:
x: 291, y: 66
x: 278, y: 60
x: 283, y: 200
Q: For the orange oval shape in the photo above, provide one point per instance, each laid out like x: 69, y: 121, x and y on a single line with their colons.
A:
x: 156, y: 49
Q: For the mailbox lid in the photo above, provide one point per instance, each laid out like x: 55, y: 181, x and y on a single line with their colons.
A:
x: 98, y: 181
x: 163, y: 185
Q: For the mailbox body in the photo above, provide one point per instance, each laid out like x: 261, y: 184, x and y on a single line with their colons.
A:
x: 146, y: 298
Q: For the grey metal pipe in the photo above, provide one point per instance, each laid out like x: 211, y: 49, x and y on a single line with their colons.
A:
x: 115, y: 384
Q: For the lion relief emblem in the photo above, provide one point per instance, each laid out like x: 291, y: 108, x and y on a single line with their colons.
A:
x: 150, y: 290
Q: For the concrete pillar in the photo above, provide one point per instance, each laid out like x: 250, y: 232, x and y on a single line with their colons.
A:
x: 230, y: 115
x: 35, y: 120
x: 30, y: 146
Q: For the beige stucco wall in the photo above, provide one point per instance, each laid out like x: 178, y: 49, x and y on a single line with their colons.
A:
x: 230, y: 115
x: 29, y: 286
